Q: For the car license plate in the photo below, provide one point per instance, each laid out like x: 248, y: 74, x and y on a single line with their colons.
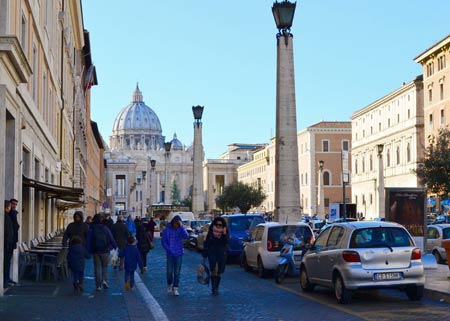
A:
x: 387, y: 276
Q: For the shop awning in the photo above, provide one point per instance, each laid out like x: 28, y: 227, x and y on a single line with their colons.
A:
x: 69, y: 194
x: 65, y: 205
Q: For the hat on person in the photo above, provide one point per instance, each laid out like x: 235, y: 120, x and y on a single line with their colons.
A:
x: 175, y: 219
x: 131, y: 240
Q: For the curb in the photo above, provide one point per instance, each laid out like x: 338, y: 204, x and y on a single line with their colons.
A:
x: 437, y: 295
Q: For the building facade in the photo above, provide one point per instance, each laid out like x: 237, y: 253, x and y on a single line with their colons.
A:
x: 435, y: 62
x: 41, y: 99
x: 395, y: 122
x: 132, y: 183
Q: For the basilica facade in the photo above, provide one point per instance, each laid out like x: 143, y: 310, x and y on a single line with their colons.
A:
x: 140, y: 168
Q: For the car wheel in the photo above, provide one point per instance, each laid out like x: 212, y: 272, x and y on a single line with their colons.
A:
x: 343, y: 295
x: 304, y: 281
x: 247, y: 268
x: 438, y: 257
x: 414, y: 292
x: 262, y: 272
x: 280, y: 273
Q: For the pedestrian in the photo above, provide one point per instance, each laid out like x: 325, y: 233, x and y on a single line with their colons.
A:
x: 88, y: 220
x: 132, y: 259
x: 99, y: 242
x: 172, y: 242
x: 151, y: 227
x: 120, y: 233
x: 8, y: 245
x: 215, y: 250
x: 131, y: 226
x: 108, y: 221
x: 76, y: 228
x: 13, y: 213
x: 75, y: 260
x: 144, y: 243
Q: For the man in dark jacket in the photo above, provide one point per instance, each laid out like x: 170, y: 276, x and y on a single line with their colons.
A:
x: 120, y: 233
x: 76, y: 228
x: 99, y: 242
x: 8, y: 245
x: 13, y: 214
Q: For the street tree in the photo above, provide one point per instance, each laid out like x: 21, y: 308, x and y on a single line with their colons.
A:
x: 434, y: 169
x: 240, y: 195
x: 175, y: 193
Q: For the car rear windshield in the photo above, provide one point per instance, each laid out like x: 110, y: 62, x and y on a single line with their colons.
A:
x: 277, y: 236
x: 243, y: 223
x: 379, y: 237
x: 446, y: 233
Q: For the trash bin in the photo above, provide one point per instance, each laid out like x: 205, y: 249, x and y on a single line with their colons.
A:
x: 446, y: 246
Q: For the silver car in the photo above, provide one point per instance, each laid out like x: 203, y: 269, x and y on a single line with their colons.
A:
x: 436, y: 233
x: 361, y: 255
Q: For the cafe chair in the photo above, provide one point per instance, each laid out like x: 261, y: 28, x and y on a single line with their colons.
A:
x: 55, y: 266
x: 27, y: 261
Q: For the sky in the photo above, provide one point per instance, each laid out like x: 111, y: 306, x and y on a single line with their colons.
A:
x: 222, y: 55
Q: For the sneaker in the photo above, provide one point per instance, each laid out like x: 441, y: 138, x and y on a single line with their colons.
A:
x: 105, y: 285
x: 169, y: 289
x: 127, y: 285
x: 175, y: 292
x: 99, y: 288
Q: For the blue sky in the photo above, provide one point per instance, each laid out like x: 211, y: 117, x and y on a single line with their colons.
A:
x: 222, y: 55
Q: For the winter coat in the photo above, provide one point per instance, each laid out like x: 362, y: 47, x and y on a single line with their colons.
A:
x: 120, y: 233
x: 215, y: 249
x: 172, y: 239
x: 89, y: 243
x: 9, y: 232
x: 79, y: 229
x: 143, y: 239
x: 131, y: 226
x: 132, y: 258
x: 75, y: 257
x: 16, y: 226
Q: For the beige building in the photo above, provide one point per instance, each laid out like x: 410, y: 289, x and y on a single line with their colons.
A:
x: 435, y: 62
x: 132, y: 183
x: 41, y: 98
x: 395, y: 122
x: 218, y: 173
x: 322, y: 141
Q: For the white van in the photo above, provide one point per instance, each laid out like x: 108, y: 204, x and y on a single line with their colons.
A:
x: 185, y: 216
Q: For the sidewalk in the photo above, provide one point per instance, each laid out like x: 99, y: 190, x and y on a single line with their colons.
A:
x: 437, y: 283
x: 51, y: 300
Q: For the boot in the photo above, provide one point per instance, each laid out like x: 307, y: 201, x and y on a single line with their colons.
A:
x: 214, y: 285
x: 80, y: 285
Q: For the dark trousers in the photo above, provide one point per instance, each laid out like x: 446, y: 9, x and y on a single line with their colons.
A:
x: 129, y: 276
x: 77, y: 276
x: 7, y: 264
x: 144, y: 258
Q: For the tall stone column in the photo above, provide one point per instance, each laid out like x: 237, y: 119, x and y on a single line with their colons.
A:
x: 287, y: 189
x: 198, y: 204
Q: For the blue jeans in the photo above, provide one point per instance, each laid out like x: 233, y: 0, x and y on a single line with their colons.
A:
x: 129, y: 276
x: 173, y: 270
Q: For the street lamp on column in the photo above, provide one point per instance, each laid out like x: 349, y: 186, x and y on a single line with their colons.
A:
x: 287, y: 189
x: 198, y: 204
x: 167, y: 147
x: 320, y: 207
x: 152, y: 182
x: 381, y: 205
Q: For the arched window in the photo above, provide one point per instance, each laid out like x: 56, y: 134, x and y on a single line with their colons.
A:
x: 326, y: 179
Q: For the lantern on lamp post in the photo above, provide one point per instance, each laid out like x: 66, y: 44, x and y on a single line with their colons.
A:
x: 167, y: 147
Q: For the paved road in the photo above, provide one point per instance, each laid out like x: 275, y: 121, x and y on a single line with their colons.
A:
x: 244, y: 296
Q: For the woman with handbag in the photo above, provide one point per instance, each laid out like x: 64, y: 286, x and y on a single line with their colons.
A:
x: 215, y: 250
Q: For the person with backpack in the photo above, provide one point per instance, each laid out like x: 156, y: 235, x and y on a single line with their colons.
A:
x: 144, y: 243
x: 132, y: 261
x: 99, y: 242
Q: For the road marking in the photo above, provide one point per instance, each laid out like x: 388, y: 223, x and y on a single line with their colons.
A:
x: 149, y: 300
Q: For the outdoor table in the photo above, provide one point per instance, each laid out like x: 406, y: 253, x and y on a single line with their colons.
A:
x: 40, y: 252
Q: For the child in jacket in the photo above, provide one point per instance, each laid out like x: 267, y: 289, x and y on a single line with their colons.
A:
x: 132, y: 259
x: 75, y: 260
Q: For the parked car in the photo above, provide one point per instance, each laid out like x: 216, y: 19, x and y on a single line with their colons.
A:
x: 436, y: 233
x: 363, y: 255
x: 240, y: 227
x: 262, y: 250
